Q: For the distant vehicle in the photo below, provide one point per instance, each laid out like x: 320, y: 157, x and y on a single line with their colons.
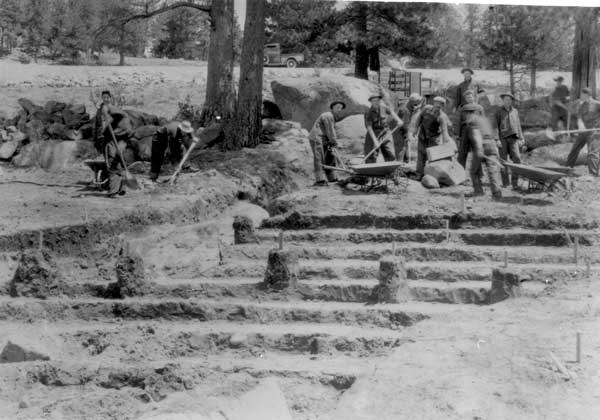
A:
x: 274, y: 57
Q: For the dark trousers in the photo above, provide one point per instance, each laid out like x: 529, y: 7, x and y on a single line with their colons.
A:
x: 113, y: 164
x: 400, y: 145
x: 160, y: 143
x: 386, y: 149
x: 510, y: 148
x: 593, y: 158
x: 322, y: 156
x: 492, y: 169
x: 464, y: 146
x: 558, y: 114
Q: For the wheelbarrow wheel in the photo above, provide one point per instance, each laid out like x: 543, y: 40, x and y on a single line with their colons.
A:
x: 400, y: 179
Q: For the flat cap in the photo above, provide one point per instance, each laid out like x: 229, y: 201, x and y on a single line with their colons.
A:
x: 334, y: 103
x: 415, y: 97
x: 467, y: 69
x: 375, y: 97
x: 469, y: 108
x: 439, y: 99
x: 559, y: 79
x: 586, y: 90
x: 510, y: 95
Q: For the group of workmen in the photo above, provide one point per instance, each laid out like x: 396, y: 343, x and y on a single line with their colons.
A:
x: 113, y: 125
x: 490, y: 141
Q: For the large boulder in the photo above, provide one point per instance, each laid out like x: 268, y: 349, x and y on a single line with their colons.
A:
x: 539, y: 138
x: 36, y: 276
x: 15, y: 353
x: 8, y: 149
x: 139, y: 118
x: 145, y: 131
x: 351, y: 133
x: 52, y: 155
x: 304, y: 99
x: 447, y: 172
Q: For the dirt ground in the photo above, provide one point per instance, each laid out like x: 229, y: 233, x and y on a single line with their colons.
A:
x: 465, y: 362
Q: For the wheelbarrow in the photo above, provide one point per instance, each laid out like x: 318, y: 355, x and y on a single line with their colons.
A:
x: 378, y: 173
x: 542, y: 179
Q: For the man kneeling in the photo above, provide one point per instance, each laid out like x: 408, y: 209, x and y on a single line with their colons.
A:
x: 173, y: 136
x: 484, y: 149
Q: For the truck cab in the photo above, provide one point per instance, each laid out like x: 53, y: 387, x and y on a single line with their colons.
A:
x: 274, y: 57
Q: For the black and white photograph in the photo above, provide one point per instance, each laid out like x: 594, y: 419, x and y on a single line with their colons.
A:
x: 299, y: 210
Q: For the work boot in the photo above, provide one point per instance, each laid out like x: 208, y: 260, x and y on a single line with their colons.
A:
x: 321, y: 184
x: 153, y: 176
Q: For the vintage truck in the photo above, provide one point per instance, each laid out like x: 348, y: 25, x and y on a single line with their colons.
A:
x: 274, y: 57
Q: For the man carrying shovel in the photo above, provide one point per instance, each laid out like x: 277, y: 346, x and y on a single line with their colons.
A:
x: 174, y: 137
x: 323, y: 142
x: 115, y: 125
x: 588, y: 116
x: 376, y: 122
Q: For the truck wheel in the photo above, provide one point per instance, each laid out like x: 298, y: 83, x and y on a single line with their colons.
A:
x: 291, y: 63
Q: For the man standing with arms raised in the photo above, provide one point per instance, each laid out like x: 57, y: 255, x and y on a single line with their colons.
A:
x: 376, y: 122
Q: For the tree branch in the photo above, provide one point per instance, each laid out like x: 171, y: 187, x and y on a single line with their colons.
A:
x: 204, y: 6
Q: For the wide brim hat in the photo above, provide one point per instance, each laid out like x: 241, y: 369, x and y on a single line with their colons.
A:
x: 375, y: 97
x: 469, y: 108
x: 439, y: 99
x: 559, y: 79
x: 415, y: 97
x: 334, y: 103
x: 586, y: 90
x: 186, y: 127
x: 510, y: 95
x: 467, y: 69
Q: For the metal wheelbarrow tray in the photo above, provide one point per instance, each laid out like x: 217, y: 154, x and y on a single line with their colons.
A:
x: 386, y: 171
x: 541, y: 179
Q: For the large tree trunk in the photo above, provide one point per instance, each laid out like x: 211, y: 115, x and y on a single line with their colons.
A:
x: 533, y: 83
x: 220, y: 94
x: 361, y: 59
x: 244, y: 129
x: 584, y: 52
x: 121, y: 47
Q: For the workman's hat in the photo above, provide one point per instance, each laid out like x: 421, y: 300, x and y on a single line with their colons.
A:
x: 106, y: 92
x: 469, y: 108
x: 510, y: 95
x: 375, y: 97
x: 587, y: 90
x: 186, y: 127
x: 559, y: 79
x: 439, y: 99
x: 467, y: 92
x: 467, y: 69
x: 334, y: 103
x: 415, y: 97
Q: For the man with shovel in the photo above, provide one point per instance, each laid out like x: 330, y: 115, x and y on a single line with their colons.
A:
x: 173, y: 136
x: 323, y: 142
x: 115, y: 125
x: 377, y: 123
x: 588, y: 116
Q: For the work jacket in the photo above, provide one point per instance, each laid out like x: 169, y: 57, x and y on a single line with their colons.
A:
x: 324, y: 130
x: 508, y: 123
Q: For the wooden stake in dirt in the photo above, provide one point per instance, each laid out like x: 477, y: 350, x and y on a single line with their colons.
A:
x: 447, y: 230
x: 505, y: 259
x: 281, y: 240
x: 561, y: 368
x: 393, y: 248
x: 578, y: 347
x: 576, y: 250
x: 462, y: 203
x: 41, y: 244
x: 588, y: 268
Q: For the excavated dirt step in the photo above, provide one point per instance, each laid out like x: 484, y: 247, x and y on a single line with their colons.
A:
x: 348, y: 290
x: 508, y: 237
x: 438, y: 270
x: 152, y: 340
x: 295, y: 220
x: 310, y: 385
x: 414, y: 251
x: 239, y: 310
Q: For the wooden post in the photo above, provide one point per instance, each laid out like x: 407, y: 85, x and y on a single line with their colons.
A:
x: 447, y: 230
x: 281, y: 239
x: 393, y: 248
x: 588, y: 268
x: 505, y: 259
x: 41, y: 239
x: 578, y: 347
x: 462, y: 203
x: 576, y: 250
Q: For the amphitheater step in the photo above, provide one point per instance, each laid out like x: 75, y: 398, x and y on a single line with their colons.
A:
x: 478, y: 236
x: 412, y: 251
x: 236, y: 310
x: 448, y: 271
x: 152, y: 340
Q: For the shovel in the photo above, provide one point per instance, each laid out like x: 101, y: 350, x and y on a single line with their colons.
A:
x: 552, y: 134
x: 183, y: 160
x: 130, y: 180
x: 385, y: 137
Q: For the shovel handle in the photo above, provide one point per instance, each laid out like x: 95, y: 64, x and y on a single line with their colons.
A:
x: 114, y: 139
x: 183, y: 160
